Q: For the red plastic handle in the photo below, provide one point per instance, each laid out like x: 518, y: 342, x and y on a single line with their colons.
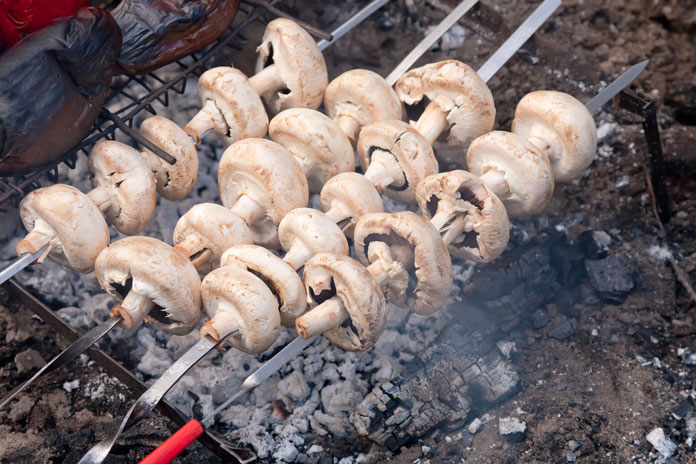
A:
x: 167, y: 451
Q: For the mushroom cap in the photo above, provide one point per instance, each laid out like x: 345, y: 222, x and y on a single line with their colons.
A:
x: 334, y: 275
x: 318, y: 144
x: 123, y: 173
x: 526, y: 169
x: 174, y: 181
x: 354, y: 195
x: 267, y: 173
x: 79, y: 229
x: 151, y: 268
x: 280, y: 277
x: 463, y: 196
x: 236, y: 298
x: 411, y: 151
x: 314, y: 230
x: 216, y: 227
x: 430, y: 280
x: 362, y: 95
x: 459, y: 91
x: 240, y: 107
x: 565, y: 126
x: 299, y: 64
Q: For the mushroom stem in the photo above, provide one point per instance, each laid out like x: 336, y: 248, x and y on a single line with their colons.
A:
x: 379, y: 273
x: 248, y: 209
x: 383, y: 171
x: 203, y: 122
x: 440, y: 219
x: 540, y: 142
x: 458, y: 227
x: 196, y: 250
x: 328, y: 315
x: 101, y: 198
x: 495, y: 180
x: 133, y: 309
x: 432, y: 122
x: 33, y: 242
x: 267, y: 80
x: 223, y: 324
x: 349, y: 126
x: 297, y: 255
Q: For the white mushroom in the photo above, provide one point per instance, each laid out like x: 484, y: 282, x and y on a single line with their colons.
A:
x: 460, y: 105
x: 261, y: 182
x: 514, y: 169
x: 206, y: 231
x: 562, y: 127
x: 174, y: 181
x: 470, y: 218
x: 317, y: 143
x: 67, y: 220
x: 281, y: 278
x: 357, y: 98
x: 406, y: 255
x: 241, y: 309
x: 395, y: 157
x: 153, y: 282
x: 304, y: 232
x: 290, y: 70
x: 124, y: 187
x: 230, y: 106
x: 347, y: 197
x: 348, y: 304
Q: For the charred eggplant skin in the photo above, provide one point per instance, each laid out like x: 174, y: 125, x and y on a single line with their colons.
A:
x: 52, y: 86
x: 157, y: 32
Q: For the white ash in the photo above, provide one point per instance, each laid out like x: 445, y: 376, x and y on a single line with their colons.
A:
x: 661, y: 443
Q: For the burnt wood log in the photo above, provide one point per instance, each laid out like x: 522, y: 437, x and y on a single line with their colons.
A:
x: 459, y: 375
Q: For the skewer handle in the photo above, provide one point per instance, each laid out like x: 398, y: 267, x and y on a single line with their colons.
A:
x: 167, y: 451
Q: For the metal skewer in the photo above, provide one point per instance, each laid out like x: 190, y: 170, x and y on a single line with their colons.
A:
x: 148, y: 400
x: 193, y: 428
x: 22, y: 262
x: 356, y: 19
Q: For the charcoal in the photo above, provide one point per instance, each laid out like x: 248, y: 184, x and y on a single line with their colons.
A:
x: 561, y: 331
x: 512, y: 429
x: 611, y: 278
x: 457, y: 377
x: 685, y: 407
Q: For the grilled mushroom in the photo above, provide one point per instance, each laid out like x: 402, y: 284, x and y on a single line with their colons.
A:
x: 241, y: 308
x: 65, y: 218
x: 174, y: 181
x: 347, y: 197
x: 395, y: 157
x: 304, y: 232
x: 290, y: 70
x: 124, y: 187
x: 229, y: 105
x: 206, y: 231
x: 357, y: 98
x: 460, y: 105
x: 562, y: 127
x: 470, y: 218
x: 261, y: 182
x: 153, y: 282
x: 348, y: 303
x: 514, y: 169
x: 408, y: 257
x: 282, y: 279
x: 316, y: 142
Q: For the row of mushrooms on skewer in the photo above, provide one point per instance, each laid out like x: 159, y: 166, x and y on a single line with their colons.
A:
x: 249, y: 291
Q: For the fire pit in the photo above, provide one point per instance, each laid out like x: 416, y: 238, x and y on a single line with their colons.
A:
x: 576, y: 344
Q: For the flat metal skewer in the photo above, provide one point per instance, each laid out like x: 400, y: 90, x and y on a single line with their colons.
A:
x: 20, y: 263
x: 74, y: 350
x: 149, y: 399
x: 356, y: 19
x: 186, y: 435
x: 616, y: 86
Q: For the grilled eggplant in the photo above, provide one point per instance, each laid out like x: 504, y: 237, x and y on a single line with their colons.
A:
x: 157, y: 32
x: 52, y: 86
